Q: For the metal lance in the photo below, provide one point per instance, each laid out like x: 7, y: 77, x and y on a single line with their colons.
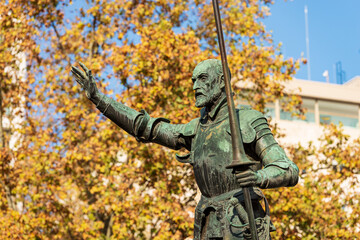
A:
x: 240, y: 160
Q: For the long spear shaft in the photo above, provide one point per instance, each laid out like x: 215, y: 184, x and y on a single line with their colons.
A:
x: 239, y: 157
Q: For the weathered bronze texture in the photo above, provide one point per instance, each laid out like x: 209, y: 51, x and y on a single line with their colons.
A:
x: 218, y: 214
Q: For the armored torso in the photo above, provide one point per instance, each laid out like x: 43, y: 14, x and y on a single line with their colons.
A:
x: 212, y: 152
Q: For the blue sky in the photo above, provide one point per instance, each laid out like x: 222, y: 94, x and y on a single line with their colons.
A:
x: 334, y: 34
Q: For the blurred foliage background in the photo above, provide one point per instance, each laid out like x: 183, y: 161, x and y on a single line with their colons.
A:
x: 67, y: 173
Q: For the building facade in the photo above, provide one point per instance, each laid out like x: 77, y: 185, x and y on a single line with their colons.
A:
x: 325, y: 103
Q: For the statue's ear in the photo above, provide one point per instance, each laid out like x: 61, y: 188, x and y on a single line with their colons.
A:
x: 221, y: 80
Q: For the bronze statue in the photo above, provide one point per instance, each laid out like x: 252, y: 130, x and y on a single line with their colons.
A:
x: 220, y: 213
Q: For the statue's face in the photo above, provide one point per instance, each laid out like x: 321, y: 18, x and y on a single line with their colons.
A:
x: 206, y: 85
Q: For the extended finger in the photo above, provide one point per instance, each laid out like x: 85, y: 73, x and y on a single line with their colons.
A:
x: 84, y: 68
x: 73, y: 70
x: 91, y: 79
x: 77, y: 77
x: 244, y: 174
x: 78, y: 80
x: 78, y: 72
x: 247, y: 179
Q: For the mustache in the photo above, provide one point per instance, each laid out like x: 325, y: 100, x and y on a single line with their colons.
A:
x: 198, y: 93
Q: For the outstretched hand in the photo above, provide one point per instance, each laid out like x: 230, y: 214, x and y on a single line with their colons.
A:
x: 86, y: 80
x: 248, y: 178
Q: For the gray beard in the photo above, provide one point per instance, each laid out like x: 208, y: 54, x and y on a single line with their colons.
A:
x: 210, y: 100
x: 216, y: 97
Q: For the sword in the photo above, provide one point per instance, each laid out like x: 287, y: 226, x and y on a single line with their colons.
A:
x: 240, y: 160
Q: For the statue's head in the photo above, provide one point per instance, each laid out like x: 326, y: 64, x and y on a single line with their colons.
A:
x: 208, y: 82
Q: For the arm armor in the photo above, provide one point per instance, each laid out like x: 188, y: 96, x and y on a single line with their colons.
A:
x: 279, y: 170
x: 145, y: 128
x: 138, y: 124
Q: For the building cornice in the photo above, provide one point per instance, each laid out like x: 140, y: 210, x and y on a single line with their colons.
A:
x: 324, y: 91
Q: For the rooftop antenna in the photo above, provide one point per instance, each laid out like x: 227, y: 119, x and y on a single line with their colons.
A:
x: 340, y: 73
x: 307, y: 42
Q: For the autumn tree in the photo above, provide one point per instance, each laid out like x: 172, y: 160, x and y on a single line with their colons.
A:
x: 15, y: 39
x: 324, y: 205
x: 75, y: 175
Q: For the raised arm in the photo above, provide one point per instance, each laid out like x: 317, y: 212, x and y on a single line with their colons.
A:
x: 139, y: 124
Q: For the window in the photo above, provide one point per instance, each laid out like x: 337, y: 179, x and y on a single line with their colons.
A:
x: 332, y: 112
x: 309, y: 105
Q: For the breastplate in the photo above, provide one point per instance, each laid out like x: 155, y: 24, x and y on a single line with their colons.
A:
x: 212, y: 152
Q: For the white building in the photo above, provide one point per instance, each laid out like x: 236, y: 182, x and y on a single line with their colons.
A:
x: 325, y: 103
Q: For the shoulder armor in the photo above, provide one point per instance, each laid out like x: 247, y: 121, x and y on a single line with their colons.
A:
x: 190, y: 128
x: 248, y: 117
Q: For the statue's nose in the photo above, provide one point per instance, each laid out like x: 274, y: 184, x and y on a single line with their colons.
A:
x: 196, y: 85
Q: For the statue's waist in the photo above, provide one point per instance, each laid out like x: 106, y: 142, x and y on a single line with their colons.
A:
x: 214, y: 182
x: 213, y: 179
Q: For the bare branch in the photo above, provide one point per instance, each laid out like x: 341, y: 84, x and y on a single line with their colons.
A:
x: 61, y: 46
x: 109, y: 227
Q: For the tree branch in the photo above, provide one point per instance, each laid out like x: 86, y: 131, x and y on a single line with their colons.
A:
x: 2, y: 140
x: 61, y: 46
x: 93, y: 44
x: 8, y: 195
x: 109, y: 227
